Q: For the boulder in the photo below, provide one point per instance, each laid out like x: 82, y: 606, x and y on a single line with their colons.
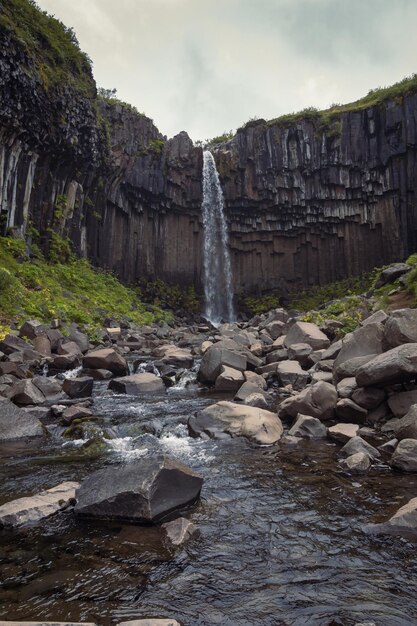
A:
x: 65, y: 361
x: 178, y: 357
x: 42, y: 345
x: 16, y: 423
x: 377, y: 317
x: 213, y: 360
x: 229, y: 380
x: 358, y: 463
x: 25, y: 392
x: 256, y: 399
x: 401, y: 327
x: 142, y: 491
x: 137, y: 384
x: 257, y: 379
x: 246, y: 390
x: 107, y: 359
x: 405, y: 456
x: 32, y: 329
x: 332, y: 351
x: 69, y: 348
x: 308, y: 427
x: 368, y: 397
x: 81, y: 387
x: 349, y: 368
x: 143, y: 622
x: 290, y: 373
x: 31, y: 510
x: 395, y: 366
x: 75, y: 412
x: 364, y: 341
x: 343, y: 432
x: 97, y: 374
x: 300, y: 352
x: 406, y: 427
x: 348, y: 411
x: 318, y: 400
x: 179, y: 530
x: 306, y: 332
x: 400, y: 403
x: 390, y: 274
x: 12, y: 343
x: 357, y: 444
x: 275, y: 329
x: 326, y: 377
x: 81, y: 339
x: 346, y: 387
x: 405, y: 517
x: 235, y: 420
x: 276, y: 356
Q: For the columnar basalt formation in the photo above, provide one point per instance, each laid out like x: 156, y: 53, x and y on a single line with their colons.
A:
x: 305, y: 203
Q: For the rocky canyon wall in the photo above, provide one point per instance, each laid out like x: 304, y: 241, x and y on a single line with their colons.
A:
x: 305, y: 203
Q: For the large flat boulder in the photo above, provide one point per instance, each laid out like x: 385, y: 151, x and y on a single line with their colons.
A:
x: 318, y: 400
x: 395, y: 366
x: 15, y: 423
x: 391, y: 273
x: 170, y: 354
x: 306, y: 332
x: 137, y: 384
x: 213, y: 361
x: 142, y: 491
x: 31, y: 510
x: 229, y: 379
x: 401, y: 327
x: 343, y: 432
x: 106, y: 359
x: 230, y: 419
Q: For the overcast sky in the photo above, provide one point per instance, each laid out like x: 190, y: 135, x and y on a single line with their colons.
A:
x: 206, y: 66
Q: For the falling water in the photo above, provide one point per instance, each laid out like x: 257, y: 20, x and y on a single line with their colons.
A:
x: 218, y: 284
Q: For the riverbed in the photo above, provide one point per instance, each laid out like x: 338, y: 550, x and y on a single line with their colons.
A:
x: 281, y: 532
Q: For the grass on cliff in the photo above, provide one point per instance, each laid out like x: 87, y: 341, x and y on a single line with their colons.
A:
x: 49, y: 43
x: 72, y: 291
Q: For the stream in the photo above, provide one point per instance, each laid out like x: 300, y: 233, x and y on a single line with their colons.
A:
x: 280, y: 541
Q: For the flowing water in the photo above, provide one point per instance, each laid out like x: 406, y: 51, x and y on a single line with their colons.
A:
x: 217, y: 277
x: 280, y: 537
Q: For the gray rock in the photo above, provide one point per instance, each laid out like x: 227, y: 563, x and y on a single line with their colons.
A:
x: 358, y: 463
x: 81, y: 339
x: 389, y: 446
x: 318, y: 400
x: 364, y: 341
x: 149, y: 622
x: 368, y: 397
x: 406, y: 516
x: 137, y: 384
x: 348, y: 411
x: 81, y: 387
x: 357, y: 444
x: 75, y: 412
x: 246, y: 390
x: 400, y: 403
x: 213, y: 360
x: 332, y: 351
x: 42, y: 345
x: 406, y: 427
x: 390, y: 274
x: 290, y: 373
x: 326, y: 377
x: 349, y: 368
x: 252, y: 377
x: 276, y: 356
x: 379, y: 317
x: 401, y: 327
x: 12, y: 343
x: 107, y: 359
x: 300, y: 352
x: 346, y: 387
x: 395, y: 366
x: 405, y: 455
x: 25, y: 392
x: 308, y: 427
x: 32, y: 329
x: 16, y: 423
x: 31, y: 510
x: 306, y: 332
x: 256, y: 399
x: 343, y: 432
x: 178, y: 531
x: 234, y: 420
x: 142, y: 491
x: 65, y: 361
x: 49, y: 387
x: 229, y: 380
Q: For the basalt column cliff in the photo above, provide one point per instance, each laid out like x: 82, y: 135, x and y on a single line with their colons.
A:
x: 306, y: 202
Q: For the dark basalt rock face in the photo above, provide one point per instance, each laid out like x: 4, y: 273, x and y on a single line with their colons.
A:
x: 305, y: 204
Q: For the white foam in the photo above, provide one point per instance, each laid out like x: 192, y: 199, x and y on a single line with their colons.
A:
x: 124, y: 447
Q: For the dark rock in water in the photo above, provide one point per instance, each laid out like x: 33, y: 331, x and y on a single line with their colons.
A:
x: 395, y: 366
x: 357, y: 463
x: 308, y: 427
x: 78, y: 387
x: 136, y: 384
x: 143, y: 491
x: 16, y: 423
x: 357, y: 444
x: 178, y: 531
x: 75, y: 412
x: 107, y: 359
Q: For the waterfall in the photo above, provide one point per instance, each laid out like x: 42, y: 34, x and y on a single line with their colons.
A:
x: 217, y: 269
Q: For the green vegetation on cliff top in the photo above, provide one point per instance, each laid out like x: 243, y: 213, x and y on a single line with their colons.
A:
x: 52, y: 46
x: 73, y: 291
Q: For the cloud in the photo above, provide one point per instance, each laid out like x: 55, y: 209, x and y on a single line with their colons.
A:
x: 206, y: 66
